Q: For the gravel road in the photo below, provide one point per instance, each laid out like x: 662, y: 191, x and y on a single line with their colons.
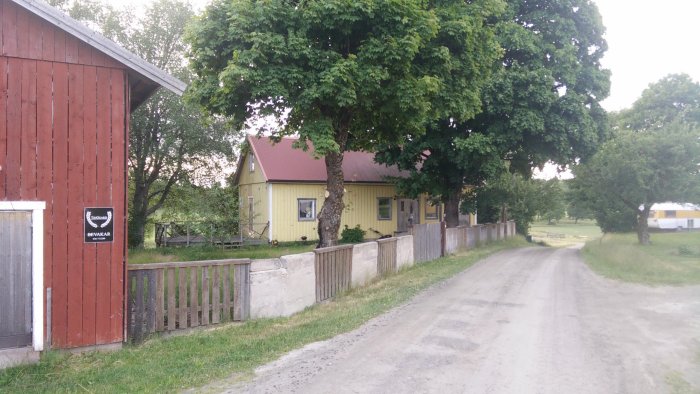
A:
x: 533, y: 320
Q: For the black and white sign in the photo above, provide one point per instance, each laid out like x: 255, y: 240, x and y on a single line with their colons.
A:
x: 99, y: 224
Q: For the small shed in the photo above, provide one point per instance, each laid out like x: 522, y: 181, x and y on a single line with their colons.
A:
x: 66, y: 94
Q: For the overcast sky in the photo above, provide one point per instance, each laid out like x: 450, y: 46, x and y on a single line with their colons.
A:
x: 647, y: 40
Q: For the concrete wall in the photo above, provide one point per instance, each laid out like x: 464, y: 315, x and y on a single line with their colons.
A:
x: 284, y: 286
x: 483, y: 234
x: 404, y: 251
x: 364, y: 263
x: 472, y: 234
x: 281, y: 287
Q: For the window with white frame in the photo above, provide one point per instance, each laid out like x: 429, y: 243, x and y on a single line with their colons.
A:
x: 251, y: 162
x: 384, y: 208
x: 306, y: 209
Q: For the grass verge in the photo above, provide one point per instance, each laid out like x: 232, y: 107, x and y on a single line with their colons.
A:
x: 175, y: 363
x: 195, y: 253
x: 671, y: 259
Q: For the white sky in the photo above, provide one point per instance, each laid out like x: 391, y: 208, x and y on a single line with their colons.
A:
x: 647, y: 40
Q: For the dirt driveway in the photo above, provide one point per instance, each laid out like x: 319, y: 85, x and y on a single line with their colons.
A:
x: 533, y: 320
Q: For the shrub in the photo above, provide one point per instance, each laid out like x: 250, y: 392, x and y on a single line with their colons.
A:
x: 352, y: 235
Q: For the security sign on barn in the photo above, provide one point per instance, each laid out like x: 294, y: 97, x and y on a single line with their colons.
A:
x: 65, y: 98
x: 99, y: 226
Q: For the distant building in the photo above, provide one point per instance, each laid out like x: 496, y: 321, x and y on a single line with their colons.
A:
x: 674, y: 216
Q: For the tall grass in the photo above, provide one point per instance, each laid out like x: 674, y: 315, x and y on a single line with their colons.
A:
x: 671, y: 259
x: 175, y: 363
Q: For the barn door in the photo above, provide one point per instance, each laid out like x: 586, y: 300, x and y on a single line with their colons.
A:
x: 15, y: 279
x: 407, y: 215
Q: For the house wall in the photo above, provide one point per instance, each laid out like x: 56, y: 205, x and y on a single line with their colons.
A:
x: 252, y: 184
x: 361, y: 207
x: 63, y: 122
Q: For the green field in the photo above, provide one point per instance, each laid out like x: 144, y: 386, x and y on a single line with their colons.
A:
x: 671, y: 259
x: 196, y: 253
x: 565, y: 232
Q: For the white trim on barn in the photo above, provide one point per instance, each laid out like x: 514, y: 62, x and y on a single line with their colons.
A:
x: 37, y: 209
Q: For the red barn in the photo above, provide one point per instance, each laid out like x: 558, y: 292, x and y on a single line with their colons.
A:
x: 66, y: 94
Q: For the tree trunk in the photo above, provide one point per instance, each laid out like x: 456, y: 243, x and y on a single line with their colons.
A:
x: 452, y: 209
x: 329, y: 217
x: 643, y: 225
x: 138, y: 217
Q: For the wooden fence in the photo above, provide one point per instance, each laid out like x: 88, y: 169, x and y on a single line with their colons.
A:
x: 176, y: 296
x: 427, y: 242
x: 333, y: 271
x: 386, y: 258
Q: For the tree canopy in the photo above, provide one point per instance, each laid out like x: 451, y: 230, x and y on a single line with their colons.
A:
x: 653, y: 157
x: 347, y: 75
x: 541, y: 104
x: 673, y: 99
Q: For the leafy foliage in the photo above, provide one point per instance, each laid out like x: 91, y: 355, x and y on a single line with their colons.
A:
x: 635, y: 170
x: 653, y: 158
x: 347, y: 75
x: 512, y: 196
x: 675, y: 99
x: 352, y: 235
x: 541, y: 104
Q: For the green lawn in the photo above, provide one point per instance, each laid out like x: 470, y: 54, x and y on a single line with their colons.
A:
x: 195, y: 253
x: 671, y: 259
x: 565, y: 232
x: 179, y: 362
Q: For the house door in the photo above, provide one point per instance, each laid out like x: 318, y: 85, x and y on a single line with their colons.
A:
x: 407, y: 215
x: 15, y: 279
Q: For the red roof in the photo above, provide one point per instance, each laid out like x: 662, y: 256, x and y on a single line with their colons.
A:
x: 282, y: 163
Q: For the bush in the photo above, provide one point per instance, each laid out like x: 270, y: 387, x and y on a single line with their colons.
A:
x: 352, y: 235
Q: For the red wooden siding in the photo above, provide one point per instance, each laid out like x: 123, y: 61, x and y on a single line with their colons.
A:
x: 63, y: 120
x: 27, y: 36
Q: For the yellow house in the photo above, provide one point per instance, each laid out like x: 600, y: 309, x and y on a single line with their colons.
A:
x: 281, y: 190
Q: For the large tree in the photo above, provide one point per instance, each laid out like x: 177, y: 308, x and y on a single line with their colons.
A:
x: 653, y: 157
x: 542, y: 104
x: 348, y: 75
x: 636, y: 170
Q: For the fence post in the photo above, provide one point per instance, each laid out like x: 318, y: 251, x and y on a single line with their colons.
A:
x: 443, y: 240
